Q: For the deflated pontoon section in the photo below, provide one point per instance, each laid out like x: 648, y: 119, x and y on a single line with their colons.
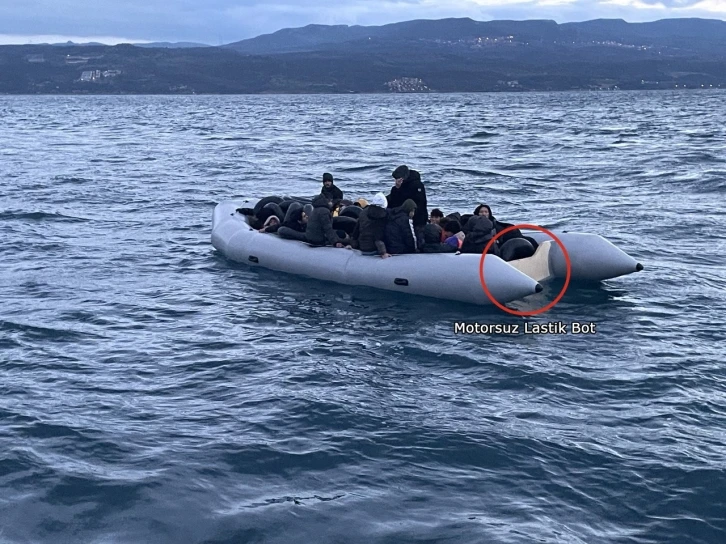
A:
x: 538, y: 265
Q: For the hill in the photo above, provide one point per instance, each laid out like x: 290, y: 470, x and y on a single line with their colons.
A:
x: 449, y: 55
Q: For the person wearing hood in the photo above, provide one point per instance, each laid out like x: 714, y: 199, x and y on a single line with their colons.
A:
x: 296, y: 218
x: 432, y: 240
x: 370, y: 230
x: 484, y: 210
x: 319, y: 230
x: 399, y: 234
x: 330, y: 190
x: 452, y: 234
x: 271, y: 225
x: 408, y: 186
x: 480, y: 232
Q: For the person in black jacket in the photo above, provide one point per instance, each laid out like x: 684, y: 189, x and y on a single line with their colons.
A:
x: 481, y: 231
x: 408, y: 185
x: 432, y: 240
x: 330, y: 191
x: 399, y: 235
x: 319, y: 229
x: 485, y: 211
x: 370, y: 230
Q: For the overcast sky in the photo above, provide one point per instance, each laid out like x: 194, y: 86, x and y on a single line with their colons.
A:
x: 223, y: 21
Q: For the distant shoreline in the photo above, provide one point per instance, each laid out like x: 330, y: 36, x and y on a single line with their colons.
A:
x: 533, y: 91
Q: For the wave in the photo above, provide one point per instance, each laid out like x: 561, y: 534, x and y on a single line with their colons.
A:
x: 71, y: 179
x: 364, y: 168
x: 46, y: 333
x: 483, y: 134
x: 41, y: 216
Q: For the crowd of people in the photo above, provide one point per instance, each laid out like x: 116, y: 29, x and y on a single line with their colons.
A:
x: 386, y: 225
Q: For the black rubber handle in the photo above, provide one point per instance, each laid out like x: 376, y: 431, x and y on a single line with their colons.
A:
x: 401, y: 281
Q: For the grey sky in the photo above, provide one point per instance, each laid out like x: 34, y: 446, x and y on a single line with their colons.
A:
x: 223, y: 21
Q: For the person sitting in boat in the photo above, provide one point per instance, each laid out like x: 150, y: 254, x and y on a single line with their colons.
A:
x: 452, y: 235
x: 330, y: 191
x: 271, y: 225
x: 399, y: 235
x: 481, y: 231
x: 436, y: 216
x: 485, y: 211
x: 296, y: 218
x: 319, y: 229
x: 432, y: 240
x: 369, y: 232
x: 408, y: 185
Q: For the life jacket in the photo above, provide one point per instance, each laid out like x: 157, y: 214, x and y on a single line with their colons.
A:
x: 459, y: 241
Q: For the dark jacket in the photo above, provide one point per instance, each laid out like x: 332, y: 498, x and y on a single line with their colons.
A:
x: 481, y: 231
x: 398, y: 236
x: 369, y: 232
x: 411, y: 188
x: 499, y: 226
x: 334, y: 193
x: 432, y: 241
x: 293, y: 220
x: 320, y: 224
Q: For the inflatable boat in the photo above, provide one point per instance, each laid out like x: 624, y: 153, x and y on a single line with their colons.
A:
x: 591, y: 256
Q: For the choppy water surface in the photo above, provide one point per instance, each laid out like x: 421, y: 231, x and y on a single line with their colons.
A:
x: 152, y: 391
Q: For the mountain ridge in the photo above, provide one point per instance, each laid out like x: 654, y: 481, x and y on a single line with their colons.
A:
x: 448, y: 55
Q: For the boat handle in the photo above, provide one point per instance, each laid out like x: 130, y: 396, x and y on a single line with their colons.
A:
x: 253, y: 259
x: 401, y: 281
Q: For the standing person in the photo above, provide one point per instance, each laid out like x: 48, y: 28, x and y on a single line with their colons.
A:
x: 408, y: 186
x: 330, y: 190
x: 399, y: 234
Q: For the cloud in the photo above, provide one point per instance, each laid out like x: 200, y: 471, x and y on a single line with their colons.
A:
x: 224, y: 21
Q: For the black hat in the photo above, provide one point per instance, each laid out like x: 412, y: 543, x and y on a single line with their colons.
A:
x: 400, y: 172
x: 327, y: 177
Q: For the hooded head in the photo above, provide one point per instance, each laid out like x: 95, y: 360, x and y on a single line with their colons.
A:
x: 432, y: 234
x: 401, y: 172
x: 409, y: 206
x: 481, y: 225
x: 379, y: 200
x: 361, y: 202
x: 270, y: 220
x: 321, y: 201
x: 484, y: 210
x: 452, y: 226
x: 327, y: 177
